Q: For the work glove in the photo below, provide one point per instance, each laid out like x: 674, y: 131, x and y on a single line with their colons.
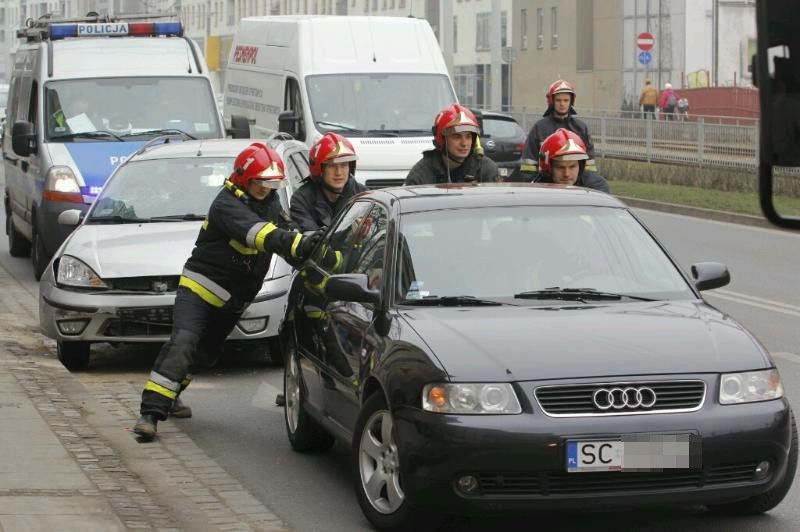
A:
x: 307, y: 244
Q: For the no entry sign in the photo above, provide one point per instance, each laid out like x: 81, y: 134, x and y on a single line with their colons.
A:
x: 645, y: 41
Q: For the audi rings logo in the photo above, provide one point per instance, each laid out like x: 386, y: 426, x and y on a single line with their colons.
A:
x: 624, y: 398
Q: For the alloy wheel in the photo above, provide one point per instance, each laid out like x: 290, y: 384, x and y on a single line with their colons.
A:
x: 292, y: 392
x: 379, y: 464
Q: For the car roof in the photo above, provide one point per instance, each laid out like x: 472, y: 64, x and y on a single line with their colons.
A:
x: 175, y: 148
x: 495, y: 115
x: 457, y: 195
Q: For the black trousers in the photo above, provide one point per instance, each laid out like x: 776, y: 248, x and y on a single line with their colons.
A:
x: 648, y: 111
x: 198, y: 336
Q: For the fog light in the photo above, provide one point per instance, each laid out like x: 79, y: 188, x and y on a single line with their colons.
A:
x: 253, y: 325
x: 762, y: 470
x: 468, y: 484
x: 72, y: 327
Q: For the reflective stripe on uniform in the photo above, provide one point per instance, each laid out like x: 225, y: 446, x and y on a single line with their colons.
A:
x: 528, y: 165
x: 591, y: 165
x: 205, y: 223
x: 296, y: 243
x: 241, y: 248
x: 160, y: 390
x: 161, y: 380
x: 258, y: 233
x: 208, y: 290
x: 338, y: 262
x: 316, y: 314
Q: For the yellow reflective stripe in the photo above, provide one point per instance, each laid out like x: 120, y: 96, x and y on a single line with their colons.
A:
x: 296, y: 243
x: 318, y: 287
x: 591, y: 167
x: 316, y: 314
x: 263, y: 234
x: 527, y: 168
x: 338, y: 260
x: 204, y: 293
x: 160, y: 390
x: 205, y: 223
x: 241, y: 248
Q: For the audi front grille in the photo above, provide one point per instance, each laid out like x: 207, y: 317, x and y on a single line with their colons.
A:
x: 621, y: 398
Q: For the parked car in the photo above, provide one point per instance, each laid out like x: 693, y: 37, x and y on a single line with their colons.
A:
x: 582, y: 369
x: 115, y: 277
x: 503, y: 140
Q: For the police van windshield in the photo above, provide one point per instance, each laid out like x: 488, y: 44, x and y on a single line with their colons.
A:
x: 129, y: 108
x: 366, y: 104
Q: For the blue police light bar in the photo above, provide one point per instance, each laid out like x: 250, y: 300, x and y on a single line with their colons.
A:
x: 138, y: 29
x: 61, y: 31
x: 168, y: 28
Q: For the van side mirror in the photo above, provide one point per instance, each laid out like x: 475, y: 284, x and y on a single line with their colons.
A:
x: 23, y: 138
x: 287, y: 123
x: 70, y: 217
x: 708, y: 275
x: 240, y: 127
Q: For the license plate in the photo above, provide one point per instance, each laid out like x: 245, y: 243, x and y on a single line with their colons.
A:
x: 634, y: 453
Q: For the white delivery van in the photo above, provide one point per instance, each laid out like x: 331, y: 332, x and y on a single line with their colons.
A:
x: 85, y: 94
x: 379, y: 81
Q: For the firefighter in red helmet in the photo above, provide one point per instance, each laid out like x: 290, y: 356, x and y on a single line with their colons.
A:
x: 560, y: 113
x: 332, y: 165
x: 245, y: 225
x: 454, y: 158
x: 562, y: 160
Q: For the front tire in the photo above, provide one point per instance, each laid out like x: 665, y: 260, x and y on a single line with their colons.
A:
x: 18, y: 245
x: 305, y: 434
x: 74, y: 355
x: 769, y: 499
x: 39, y: 256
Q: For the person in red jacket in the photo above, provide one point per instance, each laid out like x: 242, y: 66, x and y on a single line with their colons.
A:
x: 668, y: 102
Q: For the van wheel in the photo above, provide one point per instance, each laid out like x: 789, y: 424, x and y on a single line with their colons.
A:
x: 74, y: 355
x: 18, y: 245
x: 38, y: 254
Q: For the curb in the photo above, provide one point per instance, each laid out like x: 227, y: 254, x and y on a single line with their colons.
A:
x: 699, y: 212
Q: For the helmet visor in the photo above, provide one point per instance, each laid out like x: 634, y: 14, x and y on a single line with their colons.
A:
x: 272, y: 182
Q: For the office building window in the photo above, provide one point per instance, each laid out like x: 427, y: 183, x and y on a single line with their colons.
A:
x: 540, y: 28
x: 455, y: 34
x: 554, y: 38
x: 482, y: 21
x: 523, y: 29
x: 504, y: 28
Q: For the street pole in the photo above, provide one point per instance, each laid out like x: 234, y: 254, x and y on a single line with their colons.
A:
x: 714, y: 42
x: 496, y: 101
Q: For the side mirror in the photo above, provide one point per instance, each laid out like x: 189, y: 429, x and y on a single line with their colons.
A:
x: 351, y: 287
x: 287, y: 123
x: 708, y: 275
x: 70, y: 217
x: 23, y: 138
x: 240, y: 127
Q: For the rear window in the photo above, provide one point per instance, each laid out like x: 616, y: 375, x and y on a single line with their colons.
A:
x: 501, y: 129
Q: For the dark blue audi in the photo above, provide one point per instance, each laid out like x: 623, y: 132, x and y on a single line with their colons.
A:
x: 518, y: 347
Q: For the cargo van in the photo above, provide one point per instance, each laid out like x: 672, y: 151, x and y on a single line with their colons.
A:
x: 85, y: 94
x: 379, y: 81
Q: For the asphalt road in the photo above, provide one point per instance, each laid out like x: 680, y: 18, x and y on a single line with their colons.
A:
x: 237, y: 424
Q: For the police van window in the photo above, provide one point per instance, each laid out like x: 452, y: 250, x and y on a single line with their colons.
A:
x: 33, y: 104
x: 293, y: 101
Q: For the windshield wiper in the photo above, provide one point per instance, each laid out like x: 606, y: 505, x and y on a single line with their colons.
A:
x: 178, y: 217
x: 90, y: 135
x: 451, y: 301
x: 166, y: 131
x: 336, y: 124
x: 383, y: 132
x: 119, y: 219
x: 577, y: 294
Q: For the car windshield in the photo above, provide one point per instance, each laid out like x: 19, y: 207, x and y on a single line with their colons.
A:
x: 364, y: 104
x: 506, y: 252
x: 125, y: 107
x: 502, y: 129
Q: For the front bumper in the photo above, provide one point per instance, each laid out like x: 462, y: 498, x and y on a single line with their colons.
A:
x: 143, y: 317
x: 520, y: 460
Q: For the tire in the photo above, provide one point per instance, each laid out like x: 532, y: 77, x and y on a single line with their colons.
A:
x: 39, y: 256
x: 274, y: 352
x: 18, y: 245
x: 74, y: 355
x: 768, y: 500
x: 375, y: 455
x: 305, y: 433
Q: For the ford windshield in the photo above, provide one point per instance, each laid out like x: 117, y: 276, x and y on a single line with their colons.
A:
x: 377, y: 104
x: 113, y: 109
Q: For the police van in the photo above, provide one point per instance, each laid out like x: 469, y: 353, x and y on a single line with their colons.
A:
x: 379, y: 81
x: 86, y: 94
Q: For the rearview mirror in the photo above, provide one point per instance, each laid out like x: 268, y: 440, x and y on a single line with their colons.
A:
x: 240, y: 127
x: 708, y: 275
x: 351, y: 287
x: 70, y: 217
x: 23, y: 138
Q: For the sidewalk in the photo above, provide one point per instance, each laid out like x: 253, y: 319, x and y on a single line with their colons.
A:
x: 69, y: 462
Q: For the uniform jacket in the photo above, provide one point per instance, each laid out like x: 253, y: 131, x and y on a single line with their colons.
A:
x: 431, y: 170
x: 235, y: 246
x: 312, y: 211
x: 546, y: 127
x: 587, y: 179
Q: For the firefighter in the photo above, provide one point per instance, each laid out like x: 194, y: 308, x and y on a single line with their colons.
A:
x: 222, y: 276
x: 454, y: 158
x: 332, y: 182
x: 560, y: 113
x: 563, y: 160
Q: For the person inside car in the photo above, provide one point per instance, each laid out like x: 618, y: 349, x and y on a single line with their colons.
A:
x: 560, y: 113
x: 245, y: 225
x: 332, y: 165
x: 455, y: 157
x: 563, y: 160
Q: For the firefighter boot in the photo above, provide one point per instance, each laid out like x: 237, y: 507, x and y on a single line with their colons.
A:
x: 146, y: 426
x: 179, y: 409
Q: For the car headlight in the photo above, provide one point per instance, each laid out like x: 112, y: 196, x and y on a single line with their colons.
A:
x: 74, y: 272
x: 750, y: 386
x: 470, y: 398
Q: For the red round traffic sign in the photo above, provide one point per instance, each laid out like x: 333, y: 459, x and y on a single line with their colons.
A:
x: 645, y: 41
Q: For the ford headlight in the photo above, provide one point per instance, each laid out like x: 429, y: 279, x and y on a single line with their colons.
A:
x: 750, y: 386
x: 74, y: 272
x: 470, y: 398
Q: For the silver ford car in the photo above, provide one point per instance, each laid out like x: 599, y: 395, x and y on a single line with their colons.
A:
x: 114, y: 278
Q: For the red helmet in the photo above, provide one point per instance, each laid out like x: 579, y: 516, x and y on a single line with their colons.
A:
x: 258, y: 161
x: 454, y: 118
x: 559, y: 87
x: 562, y: 145
x: 332, y: 147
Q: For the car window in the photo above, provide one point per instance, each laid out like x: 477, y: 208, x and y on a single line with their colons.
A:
x: 502, y: 129
x: 346, y: 237
x: 370, y: 256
